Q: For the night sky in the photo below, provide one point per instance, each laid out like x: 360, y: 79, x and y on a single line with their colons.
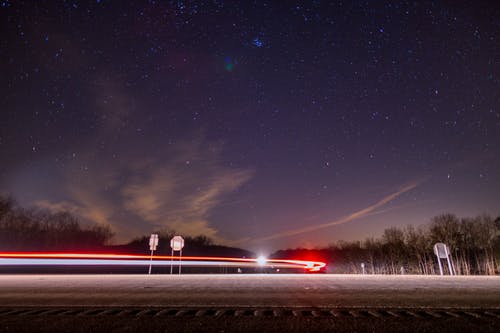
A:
x: 261, y: 124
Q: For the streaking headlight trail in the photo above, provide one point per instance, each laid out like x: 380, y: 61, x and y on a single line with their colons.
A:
x: 91, y: 259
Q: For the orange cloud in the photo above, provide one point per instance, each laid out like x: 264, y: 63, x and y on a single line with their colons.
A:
x: 138, y: 195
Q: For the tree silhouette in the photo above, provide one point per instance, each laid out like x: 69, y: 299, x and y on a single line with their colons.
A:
x: 36, y: 230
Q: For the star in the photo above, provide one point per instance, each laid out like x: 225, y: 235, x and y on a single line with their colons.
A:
x: 257, y: 42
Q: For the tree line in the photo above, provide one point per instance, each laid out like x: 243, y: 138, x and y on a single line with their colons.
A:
x: 37, y: 230
x: 474, y: 245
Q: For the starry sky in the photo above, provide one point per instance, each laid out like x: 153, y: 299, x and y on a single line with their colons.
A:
x: 261, y: 124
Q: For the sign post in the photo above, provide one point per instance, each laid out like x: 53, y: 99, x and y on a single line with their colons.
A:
x: 153, y: 243
x: 442, y: 252
x: 176, y: 243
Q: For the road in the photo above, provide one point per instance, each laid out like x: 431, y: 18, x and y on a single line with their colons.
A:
x: 322, y: 290
x: 248, y: 303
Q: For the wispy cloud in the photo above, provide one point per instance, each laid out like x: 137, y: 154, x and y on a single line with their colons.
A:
x: 370, y: 210
x: 181, y: 195
x: 137, y: 194
x: 84, y: 203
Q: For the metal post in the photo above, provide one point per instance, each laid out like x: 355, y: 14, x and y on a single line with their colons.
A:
x: 180, y: 261
x: 171, y: 261
x: 150, y: 262
x: 440, y: 266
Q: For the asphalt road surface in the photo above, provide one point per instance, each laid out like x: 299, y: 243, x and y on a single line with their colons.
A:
x: 195, y: 303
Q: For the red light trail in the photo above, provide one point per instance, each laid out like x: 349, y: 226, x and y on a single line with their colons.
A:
x: 85, y: 259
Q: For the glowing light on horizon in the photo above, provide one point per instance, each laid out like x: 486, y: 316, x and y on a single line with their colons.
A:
x: 261, y: 261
